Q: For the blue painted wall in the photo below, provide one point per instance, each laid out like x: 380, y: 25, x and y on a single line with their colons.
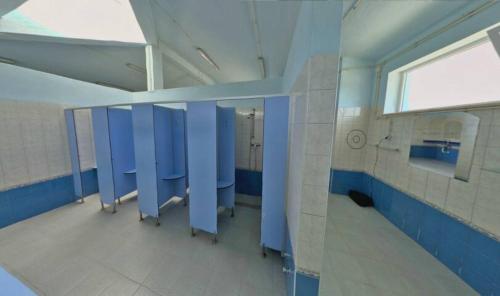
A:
x: 248, y: 182
x: 21, y: 203
x: 472, y: 255
x: 317, y: 32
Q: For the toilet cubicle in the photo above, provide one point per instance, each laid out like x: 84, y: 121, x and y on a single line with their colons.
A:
x: 211, y: 163
x: 159, y: 138
x: 114, y: 150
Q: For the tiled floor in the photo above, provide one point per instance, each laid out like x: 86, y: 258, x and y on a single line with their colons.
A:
x: 79, y: 250
x: 366, y: 255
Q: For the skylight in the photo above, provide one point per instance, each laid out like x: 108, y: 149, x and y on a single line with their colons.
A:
x: 111, y: 20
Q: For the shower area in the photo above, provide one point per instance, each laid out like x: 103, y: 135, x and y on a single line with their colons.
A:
x: 249, y: 144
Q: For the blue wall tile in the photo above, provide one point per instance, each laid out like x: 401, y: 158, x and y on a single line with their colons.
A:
x: 248, y: 182
x: 434, y: 152
x: 469, y: 253
x: 306, y: 285
x: 21, y: 203
x: 89, y: 182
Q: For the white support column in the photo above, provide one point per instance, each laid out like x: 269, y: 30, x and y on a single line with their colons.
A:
x: 154, y: 67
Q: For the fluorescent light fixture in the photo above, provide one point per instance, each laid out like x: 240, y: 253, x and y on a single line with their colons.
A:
x: 107, y: 84
x: 207, y: 58
x: 7, y: 61
x: 262, y: 67
x: 136, y: 68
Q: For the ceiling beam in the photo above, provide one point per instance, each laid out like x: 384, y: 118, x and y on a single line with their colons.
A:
x: 7, y: 6
x: 65, y: 40
x: 144, y: 15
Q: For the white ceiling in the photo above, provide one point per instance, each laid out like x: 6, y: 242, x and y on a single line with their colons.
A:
x: 97, y: 62
x: 375, y: 28
x: 224, y: 29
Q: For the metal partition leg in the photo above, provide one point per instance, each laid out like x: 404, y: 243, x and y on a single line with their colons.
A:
x: 102, y: 206
x: 114, y: 206
x: 141, y: 218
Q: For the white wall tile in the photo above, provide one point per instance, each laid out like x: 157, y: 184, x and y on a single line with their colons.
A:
x: 320, y: 106
x: 316, y: 170
x: 437, y: 189
x: 315, y: 200
x: 319, y: 139
x: 460, y: 200
x: 418, y: 182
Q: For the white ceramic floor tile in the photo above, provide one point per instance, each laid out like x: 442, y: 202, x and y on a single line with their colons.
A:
x: 373, y: 257
x: 80, y: 250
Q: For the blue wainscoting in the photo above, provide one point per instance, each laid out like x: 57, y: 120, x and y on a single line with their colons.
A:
x: 472, y: 255
x: 248, y: 182
x: 24, y: 202
x: 89, y: 182
x: 306, y: 285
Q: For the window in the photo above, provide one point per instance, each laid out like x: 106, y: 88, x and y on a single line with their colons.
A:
x: 466, y: 76
x: 462, y: 74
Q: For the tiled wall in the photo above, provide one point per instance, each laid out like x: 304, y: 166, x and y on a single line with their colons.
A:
x: 472, y: 255
x: 475, y: 202
x: 350, y: 121
x: 27, y: 201
x: 311, y: 130
x: 33, y: 145
x: 34, y: 159
x: 249, y: 159
x: 456, y: 221
x: 85, y: 138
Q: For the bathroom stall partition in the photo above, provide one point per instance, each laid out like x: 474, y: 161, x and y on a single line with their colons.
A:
x: 114, y: 147
x: 160, y: 156
x: 69, y: 116
x: 274, y: 173
x: 210, y: 137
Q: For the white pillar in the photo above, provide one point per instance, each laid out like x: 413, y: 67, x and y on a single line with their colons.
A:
x: 154, y: 67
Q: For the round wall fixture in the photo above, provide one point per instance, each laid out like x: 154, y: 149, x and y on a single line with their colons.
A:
x: 356, y: 139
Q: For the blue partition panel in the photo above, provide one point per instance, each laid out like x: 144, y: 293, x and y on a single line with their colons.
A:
x: 160, y: 155
x: 144, y: 146
x: 103, y: 154
x: 226, y: 134
x: 179, y: 152
x: 164, y: 152
x: 73, y: 152
x: 170, y: 153
x: 202, y: 165
x: 122, y: 150
x: 274, y: 172
x: 9, y: 285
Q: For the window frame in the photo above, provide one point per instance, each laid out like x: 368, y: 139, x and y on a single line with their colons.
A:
x: 400, y: 78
